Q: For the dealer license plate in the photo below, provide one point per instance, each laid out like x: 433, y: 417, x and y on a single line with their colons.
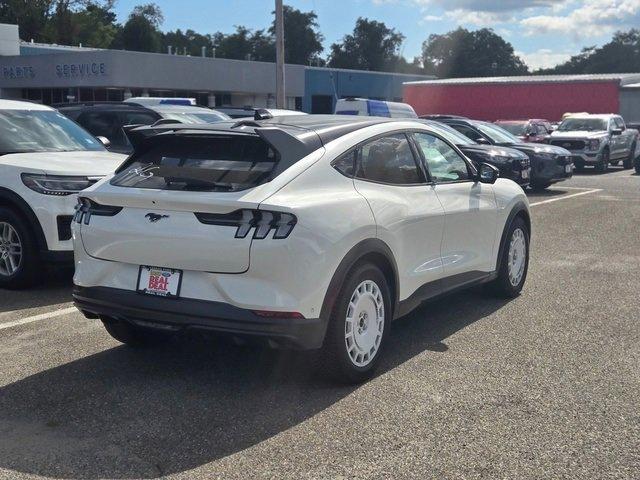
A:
x: 159, y: 281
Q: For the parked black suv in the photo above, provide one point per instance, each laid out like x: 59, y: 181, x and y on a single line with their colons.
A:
x: 549, y: 164
x: 512, y: 163
x: 106, y: 119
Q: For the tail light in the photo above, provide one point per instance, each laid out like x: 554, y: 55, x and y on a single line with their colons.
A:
x: 85, y: 208
x: 263, y: 221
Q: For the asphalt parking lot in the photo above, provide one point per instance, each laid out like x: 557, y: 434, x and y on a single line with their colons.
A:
x: 543, y: 386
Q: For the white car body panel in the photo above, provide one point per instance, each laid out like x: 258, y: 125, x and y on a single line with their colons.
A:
x: 462, y: 223
x: 75, y: 163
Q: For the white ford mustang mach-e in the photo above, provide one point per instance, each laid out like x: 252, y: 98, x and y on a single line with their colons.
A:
x: 312, y: 232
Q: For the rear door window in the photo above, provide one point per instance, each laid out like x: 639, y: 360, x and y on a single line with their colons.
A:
x: 389, y: 160
x: 210, y: 164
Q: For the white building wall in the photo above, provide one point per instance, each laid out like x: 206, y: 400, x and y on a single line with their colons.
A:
x: 9, y: 39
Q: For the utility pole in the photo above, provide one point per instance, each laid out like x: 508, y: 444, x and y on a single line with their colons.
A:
x: 280, y: 96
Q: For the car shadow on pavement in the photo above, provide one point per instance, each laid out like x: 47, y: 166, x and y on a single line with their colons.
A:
x: 124, y: 413
x: 54, y: 288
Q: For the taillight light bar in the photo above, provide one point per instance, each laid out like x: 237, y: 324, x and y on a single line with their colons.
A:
x: 85, y: 208
x: 263, y: 221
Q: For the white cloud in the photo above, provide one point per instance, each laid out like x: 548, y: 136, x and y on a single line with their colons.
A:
x: 591, y: 18
x: 544, y: 58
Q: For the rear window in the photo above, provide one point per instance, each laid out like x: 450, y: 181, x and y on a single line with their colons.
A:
x: 209, y: 164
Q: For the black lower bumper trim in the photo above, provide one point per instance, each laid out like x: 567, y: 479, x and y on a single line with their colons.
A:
x: 57, y: 256
x: 126, y: 305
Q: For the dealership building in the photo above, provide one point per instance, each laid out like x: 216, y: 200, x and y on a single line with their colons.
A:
x: 510, y: 98
x: 56, y: 74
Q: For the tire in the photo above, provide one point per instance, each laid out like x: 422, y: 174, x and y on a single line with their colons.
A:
x: 603, y: 165
x: 628, y: 162
x: 343, y: 357
x: 512, y: 275
x: 133, y: 336
x: 23, y: 269
x: 637, y: 165
x: 539, y: 187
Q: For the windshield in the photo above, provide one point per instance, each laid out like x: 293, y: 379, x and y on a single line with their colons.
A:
x: 514, y: 128
x: 583, y: 124
x: 42, y: 131
x: 204, y: 116
x: 496, y: 134
x: 451, y: 135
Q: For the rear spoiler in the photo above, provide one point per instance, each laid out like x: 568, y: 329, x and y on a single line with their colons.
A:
x: 290, y: 148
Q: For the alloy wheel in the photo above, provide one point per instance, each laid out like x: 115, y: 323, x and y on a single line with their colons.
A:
x: 364, y: 324
x: 517, y: 256
x: 10, y: 250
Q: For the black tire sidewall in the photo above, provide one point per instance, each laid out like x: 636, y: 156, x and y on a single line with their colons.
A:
x: 503, y: 283
x: 336, y: 360
x: 28, y: 273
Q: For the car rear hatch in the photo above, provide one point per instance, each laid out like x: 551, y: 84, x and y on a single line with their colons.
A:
x: 179, y: 204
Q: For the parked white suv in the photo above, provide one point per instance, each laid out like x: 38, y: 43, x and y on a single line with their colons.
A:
x: 313, y: 232
x: 45, y: 159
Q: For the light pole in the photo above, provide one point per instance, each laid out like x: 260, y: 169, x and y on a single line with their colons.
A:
x: 280, y: 96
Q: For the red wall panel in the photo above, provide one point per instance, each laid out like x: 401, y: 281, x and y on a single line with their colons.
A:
x: 514, y: 100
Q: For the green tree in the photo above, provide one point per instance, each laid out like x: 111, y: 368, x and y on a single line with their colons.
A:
x: 620, y: 55
x: 302, y: 40
x: 464, y: 53
x: 371, y: 46
x: 141, y: 31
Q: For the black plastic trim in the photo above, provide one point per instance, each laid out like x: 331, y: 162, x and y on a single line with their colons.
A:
x: 185, y: 313
x: 355, y: 255
x: 444, y: 286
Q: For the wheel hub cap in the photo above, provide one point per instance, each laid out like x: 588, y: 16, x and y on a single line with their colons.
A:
x: 10, y: 249
x: 364, y: 324
x: 517, y: 256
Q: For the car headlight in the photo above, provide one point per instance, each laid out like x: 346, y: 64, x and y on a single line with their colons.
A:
x: 594, y: 144
x: 59, y: 185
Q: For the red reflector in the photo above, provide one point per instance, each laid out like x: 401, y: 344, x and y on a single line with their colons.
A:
x: 272, y: 314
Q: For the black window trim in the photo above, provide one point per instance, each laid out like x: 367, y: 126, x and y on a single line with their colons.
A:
x: 471, y: 169
x: 416, y: 158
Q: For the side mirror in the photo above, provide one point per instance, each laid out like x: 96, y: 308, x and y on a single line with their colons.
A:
x: 616, y: 131
x: 482, y: 141
x: 104, y: 140
x: 487, y: 173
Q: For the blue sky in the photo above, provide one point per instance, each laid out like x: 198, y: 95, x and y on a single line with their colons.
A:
x: 543, y: 32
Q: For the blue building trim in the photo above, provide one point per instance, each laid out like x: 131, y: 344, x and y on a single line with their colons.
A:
x: 339, y: 83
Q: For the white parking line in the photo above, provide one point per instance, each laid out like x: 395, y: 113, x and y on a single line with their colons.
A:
x: 564, y: 197
x: 37, y: 318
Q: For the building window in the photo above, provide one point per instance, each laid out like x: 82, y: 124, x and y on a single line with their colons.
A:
x: 223, y: 99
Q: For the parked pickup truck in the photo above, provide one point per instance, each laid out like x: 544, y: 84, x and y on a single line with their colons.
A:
x: 598, y: 140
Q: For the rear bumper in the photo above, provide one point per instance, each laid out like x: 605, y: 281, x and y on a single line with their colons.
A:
x: 184, y: 313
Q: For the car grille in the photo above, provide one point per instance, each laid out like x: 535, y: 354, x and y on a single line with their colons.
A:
x: 569, y: 144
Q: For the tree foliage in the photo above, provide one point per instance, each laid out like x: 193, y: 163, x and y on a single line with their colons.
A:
x: 371, y: 46
x: 464, y: 53
x: 620, y: 55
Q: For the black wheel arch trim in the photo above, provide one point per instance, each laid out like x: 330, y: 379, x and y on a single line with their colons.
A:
x: 359, y: 252
x: 12, y: 199
x: 517, y: 209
